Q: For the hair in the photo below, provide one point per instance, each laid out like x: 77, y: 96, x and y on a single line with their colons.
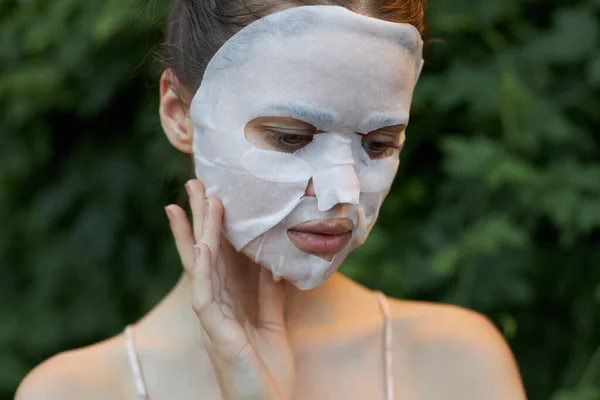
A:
x: 196, y: 29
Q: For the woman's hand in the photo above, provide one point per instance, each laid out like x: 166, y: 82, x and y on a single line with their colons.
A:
x: 251, y: 361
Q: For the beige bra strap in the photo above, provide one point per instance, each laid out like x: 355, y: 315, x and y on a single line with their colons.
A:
x: 389, y: 382
x: 134, y: 363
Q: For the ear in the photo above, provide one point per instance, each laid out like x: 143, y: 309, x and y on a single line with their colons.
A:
x: 174, y: 114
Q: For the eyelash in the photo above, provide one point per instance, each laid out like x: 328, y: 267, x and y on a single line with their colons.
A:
x: 383, y: 153
x: 277, y: 139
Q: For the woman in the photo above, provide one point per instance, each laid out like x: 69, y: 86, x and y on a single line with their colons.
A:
x: 295, y: 117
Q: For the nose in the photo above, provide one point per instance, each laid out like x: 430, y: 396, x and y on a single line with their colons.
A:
x: 310, y: 189
x: 335, y: 185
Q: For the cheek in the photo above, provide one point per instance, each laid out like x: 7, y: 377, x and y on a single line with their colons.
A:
x: 371, y: 203
x: 276, y: 167
x: 252, y: 205
x: 378, y: 175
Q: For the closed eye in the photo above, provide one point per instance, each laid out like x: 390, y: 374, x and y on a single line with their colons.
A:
x: 288, y: 142
x: 383, y: 142
x: 378, y: 150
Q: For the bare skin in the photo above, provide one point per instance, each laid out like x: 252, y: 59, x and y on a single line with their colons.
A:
x: 440, y: 352
x: 325, y: 343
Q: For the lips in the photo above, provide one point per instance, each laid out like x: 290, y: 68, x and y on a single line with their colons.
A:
x: 325, y: 226
x: 323, y: 237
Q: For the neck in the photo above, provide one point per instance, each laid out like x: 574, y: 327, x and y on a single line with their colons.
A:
x: 305, y: 311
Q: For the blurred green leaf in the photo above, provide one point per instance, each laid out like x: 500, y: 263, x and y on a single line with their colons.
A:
x: 573, y: 36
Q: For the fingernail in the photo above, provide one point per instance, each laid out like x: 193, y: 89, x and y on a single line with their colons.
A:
x: 169, y: 213
x: 197, y: 251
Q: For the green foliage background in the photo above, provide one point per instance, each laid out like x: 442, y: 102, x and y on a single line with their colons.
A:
x: 496, y: 206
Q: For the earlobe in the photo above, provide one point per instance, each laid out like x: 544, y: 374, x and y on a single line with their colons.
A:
x: 173, y: 116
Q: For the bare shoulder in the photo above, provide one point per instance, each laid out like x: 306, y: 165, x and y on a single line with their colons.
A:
x: 92, y: 372
x: 458, y: 353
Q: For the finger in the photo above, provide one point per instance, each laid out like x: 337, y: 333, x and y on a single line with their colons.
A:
x: 271, y: 302
x: 197, y: 196
x: 211, y: 231
x: 211, y: 234
x: 183, y: 235
x: 203, y: 302
x: 231, y: 307
x: 224, y: 334
x: 218, y: 282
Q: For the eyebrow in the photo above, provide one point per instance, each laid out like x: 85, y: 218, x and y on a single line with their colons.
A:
x: 314, y: 116
x: 381, y: 120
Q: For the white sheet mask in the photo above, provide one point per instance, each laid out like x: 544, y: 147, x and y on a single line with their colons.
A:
x: 344, y: 73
